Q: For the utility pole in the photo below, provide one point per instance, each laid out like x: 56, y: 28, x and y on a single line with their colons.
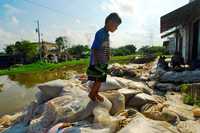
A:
x: 39, y: 42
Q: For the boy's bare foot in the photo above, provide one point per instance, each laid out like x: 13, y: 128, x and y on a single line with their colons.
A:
x: 92, y: 97
x: 65, y: 125
x: 99, y: 98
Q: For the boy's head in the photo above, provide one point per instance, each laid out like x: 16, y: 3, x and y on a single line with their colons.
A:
x: 112, y: 22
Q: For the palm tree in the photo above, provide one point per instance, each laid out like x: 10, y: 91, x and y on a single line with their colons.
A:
x: 61, y: 43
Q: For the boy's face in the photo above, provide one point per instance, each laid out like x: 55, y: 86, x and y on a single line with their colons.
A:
x: 112, y: 26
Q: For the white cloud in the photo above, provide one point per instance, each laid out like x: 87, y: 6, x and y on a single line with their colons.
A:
x: 123, y: 7
x: 140, y: 19
x: 78, y: 21
x: 14, y: 20
x: 11, y: 10
x: 6, y: 38
x: 75, y: 37
x: 5, y: 35
x: 12, y: 13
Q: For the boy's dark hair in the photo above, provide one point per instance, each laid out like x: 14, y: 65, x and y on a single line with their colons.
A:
x: 114, y: 17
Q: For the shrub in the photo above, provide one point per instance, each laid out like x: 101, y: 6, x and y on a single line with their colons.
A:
x: 188, y: 100
x: 184, y: 88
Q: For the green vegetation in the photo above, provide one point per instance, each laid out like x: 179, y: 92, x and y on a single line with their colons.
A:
x: 62, y: 43
x: 156, y: 50
x: 40, y: 66
x: 184, y: 88
x: 24, y: 51
x: 1, y: 87
x: 187, y: 98
x: 72, y: 65
x: 124, y: 50
x: 79, y: 50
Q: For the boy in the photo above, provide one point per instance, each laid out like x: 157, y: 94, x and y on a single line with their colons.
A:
x: 100, y: 55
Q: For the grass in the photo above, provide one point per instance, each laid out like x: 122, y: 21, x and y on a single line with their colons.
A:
x: 187, y: 98
x: 40, y: 66
x: 72, y: 65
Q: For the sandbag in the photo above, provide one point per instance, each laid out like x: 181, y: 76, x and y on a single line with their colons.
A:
x: 17, y: 128
x: 140, y: 99
x: 181, y: 77
x: 74, y: 106
x: 103, y: 117
x: 196, y: 112
x: 52, y: 89
x: 166, y: 115
x: 110, y: 84
x: 188, y: 127
x: 140, y: 124
x: 166, y: 87
x: 175, y: 102
x: 91, y: 128
x: 135, y: 85
x: 117, y: 100
x: 79, y: 127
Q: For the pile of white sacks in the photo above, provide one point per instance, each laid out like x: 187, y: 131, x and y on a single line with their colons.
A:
x: 129, y: 107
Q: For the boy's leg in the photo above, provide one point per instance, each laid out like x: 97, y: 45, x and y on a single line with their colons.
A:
x: 98, y: 85
x: 94, y: 91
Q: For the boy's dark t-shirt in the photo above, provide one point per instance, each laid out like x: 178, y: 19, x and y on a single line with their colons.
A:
x: 97, y: 69
x: 101, y: 46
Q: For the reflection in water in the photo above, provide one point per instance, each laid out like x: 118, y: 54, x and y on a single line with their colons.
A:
x: 31, y: 79
x: 14, y: 96
x: 19, y: 90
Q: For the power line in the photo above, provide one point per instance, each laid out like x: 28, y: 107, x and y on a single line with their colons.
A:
x: 46, y: 7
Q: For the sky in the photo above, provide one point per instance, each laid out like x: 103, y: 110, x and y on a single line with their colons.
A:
x: 78, y: 20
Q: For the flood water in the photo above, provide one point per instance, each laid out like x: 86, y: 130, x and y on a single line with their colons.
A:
x: 14, y: 96
x: 19, y: 90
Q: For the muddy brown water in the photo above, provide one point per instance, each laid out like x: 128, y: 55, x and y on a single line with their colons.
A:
x: 19, y: 90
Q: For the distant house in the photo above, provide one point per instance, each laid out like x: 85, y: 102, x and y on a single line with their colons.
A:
x: 183, y: 25
x: 50, y: 51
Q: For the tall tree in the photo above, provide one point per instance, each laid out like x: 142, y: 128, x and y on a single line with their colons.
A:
x: 24, y: 50
x: 157, y: 50
x: 10, y: 49
x: 62, y: 43
x: 124, y: 50
x: 79, y: 50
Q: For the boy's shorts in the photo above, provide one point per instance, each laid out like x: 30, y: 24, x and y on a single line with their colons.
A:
x: 97, y: 72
